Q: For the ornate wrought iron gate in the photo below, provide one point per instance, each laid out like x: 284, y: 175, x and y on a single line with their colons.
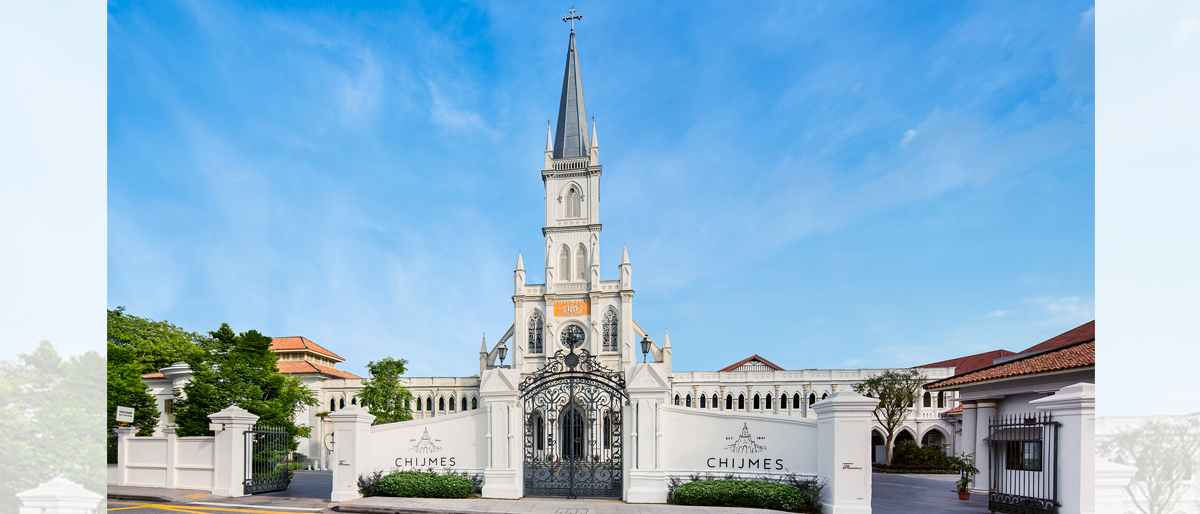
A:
x: 572, y: 408
x: 267, y: 458
x: 1024, y: 464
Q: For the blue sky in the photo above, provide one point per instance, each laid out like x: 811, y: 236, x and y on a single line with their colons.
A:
x: 825, y: 184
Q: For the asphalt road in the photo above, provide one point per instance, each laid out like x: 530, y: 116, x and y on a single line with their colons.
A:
x: 921, y: 494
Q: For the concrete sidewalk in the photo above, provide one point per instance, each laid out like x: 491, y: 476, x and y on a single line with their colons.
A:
x: 155, y: 494
x: 388, y: 505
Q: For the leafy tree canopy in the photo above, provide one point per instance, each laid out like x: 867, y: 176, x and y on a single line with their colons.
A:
x: 240, y: 369
x: 52, y: 422
x: 1165, y: 453
x: 896, y: 390
x: 383, y: 394
x: 137, y: 346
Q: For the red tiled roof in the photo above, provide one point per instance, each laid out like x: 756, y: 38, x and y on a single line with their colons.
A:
x: 300, y: 343
x: 754, y: 357
x: 1084, y: 332
x: 153, y: 375
x: 956, y: 410
x: 1075, y: 356
x: 300, y: 367
x: 971, y: 362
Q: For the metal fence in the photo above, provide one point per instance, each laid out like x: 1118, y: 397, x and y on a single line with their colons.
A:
x: 268, y: 459
x: 1024, y: 464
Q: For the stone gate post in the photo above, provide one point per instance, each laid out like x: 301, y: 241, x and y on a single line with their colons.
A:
x: 1075, y: 407
x: 123, y: 435
x: 58, y: 496
x: 647, y: 387
x: 502, y: 478
x: 229, y: 450
x: 351, y: 450
x: 843, y: 452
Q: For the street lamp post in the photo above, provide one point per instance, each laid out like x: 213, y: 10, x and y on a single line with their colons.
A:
x: 645, y: 347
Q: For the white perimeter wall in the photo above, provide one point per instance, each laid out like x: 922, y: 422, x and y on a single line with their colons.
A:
x: 460, y: 441
x: 153, y: 462
x: 698, y: 441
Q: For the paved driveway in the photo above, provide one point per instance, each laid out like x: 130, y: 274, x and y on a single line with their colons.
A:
x: 919, y: 494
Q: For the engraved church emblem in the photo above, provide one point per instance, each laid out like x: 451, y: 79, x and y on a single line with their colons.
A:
x: 425, y: 445
x: 572, y: 307
x: 744, y: 443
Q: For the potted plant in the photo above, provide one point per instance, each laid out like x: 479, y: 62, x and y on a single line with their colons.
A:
x: 964, y: 464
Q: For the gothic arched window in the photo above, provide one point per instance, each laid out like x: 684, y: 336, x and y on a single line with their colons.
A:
x: 768, y: 400
x: 941, y: 399
x: 535, y: 332
x: 729, y: 402
x: 714, y: 403
x: 452, y: 403
x: 332, y: 404
x: 429, y: 404
x: 573, y: 201
x: 676, y: 399
x: 342, y: 403
x: 928, y: 400
x: 756, y: 402
x: 610, y: 331
x: 581, y: 263
x: 464, y: 403
x: 687, y: 402
x: 354, y: 401
x: 741, y: 402
x: 796, y: 401
x: 442, y: 404
x: 826, y: 395
x: 474, y: 402
x: 812, y: 398
x: 702, y: 402
x: 564, y: 264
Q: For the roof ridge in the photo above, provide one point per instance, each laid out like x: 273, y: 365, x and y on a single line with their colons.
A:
x: 1010, y: 362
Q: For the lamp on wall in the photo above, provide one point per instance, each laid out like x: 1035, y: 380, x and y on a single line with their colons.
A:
x: 503, y: 350
x: 645, y: 347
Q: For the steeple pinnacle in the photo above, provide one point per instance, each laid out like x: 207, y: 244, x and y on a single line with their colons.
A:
x: 520, y: 263
x: 571, y: 139
x: 624, y: 255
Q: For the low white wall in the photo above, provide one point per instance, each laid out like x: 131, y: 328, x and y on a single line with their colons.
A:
x: 720, y: 443
x: 167, y: 461
x: 114, y: 474
x: 457, y: 441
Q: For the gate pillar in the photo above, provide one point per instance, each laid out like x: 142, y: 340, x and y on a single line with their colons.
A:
x: 502, y: 477
x: 351, y: 450
x: 647, y: 387
x: 1075, y: 407
x: 843, y: 452
x: 229, y: 464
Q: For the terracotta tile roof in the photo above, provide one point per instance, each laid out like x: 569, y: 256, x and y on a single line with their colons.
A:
x: 754, y: 357
x: 300, y: 367
x: 301, y: 343
x: 956, y: 410
x: 1075, y: 356
x: 1084, y: 332
x: 971, y: 362
x: 153, y: 375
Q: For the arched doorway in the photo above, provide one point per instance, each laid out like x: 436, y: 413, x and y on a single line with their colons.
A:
x: 878, y: 448
x: 934, y: 437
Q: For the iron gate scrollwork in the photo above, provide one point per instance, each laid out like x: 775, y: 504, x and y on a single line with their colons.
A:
x: 1024, y: 464
x: 572, y: 408
x: 267, y: 459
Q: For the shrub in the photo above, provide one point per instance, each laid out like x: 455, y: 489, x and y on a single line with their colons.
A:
x: 417, y: 484
x: 369, y: 482
x: 907, y: 453
x: 740, y: 493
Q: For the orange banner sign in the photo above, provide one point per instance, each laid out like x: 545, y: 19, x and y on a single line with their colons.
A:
x: 572, y: 308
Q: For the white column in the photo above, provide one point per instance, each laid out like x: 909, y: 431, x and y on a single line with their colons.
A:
x: 351, y: 450
x: 984, y: 412
x: 843, y: 452
x: 647, y: 386
x: 229, y: 464
x: 502, y: 477
x: 123, y: 435
x: 1075, y: 407
x: 172, y: 440
x: 58, y: 496
x: 967, y: 442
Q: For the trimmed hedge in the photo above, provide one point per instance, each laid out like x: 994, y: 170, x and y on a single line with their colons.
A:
x: 740, y: 493
x: 417, y: 484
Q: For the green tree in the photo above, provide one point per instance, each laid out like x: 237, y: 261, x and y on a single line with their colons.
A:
x: 1164, y: 452
x: 383, y: 394
x: 896, y: 390
x: 51, y: 419
x: 240, y: 369
x: 137, y: 346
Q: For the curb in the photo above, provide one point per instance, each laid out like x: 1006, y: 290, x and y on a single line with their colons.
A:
x: 140, y: 497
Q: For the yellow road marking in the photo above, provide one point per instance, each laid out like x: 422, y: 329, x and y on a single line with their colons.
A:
x: 123, y: 508
x: 196, y: 496
x: 201, y: 510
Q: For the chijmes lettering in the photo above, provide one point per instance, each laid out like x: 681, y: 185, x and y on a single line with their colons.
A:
x: 763, y: 464
x: 421, y: 462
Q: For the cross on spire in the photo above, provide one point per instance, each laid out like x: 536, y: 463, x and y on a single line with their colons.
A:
x: 572, y: 17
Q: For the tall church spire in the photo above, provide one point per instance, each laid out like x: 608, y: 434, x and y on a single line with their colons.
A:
x: 571, y: 139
